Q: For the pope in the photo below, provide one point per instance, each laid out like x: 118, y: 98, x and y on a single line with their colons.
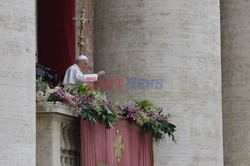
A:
x: 75, y: 73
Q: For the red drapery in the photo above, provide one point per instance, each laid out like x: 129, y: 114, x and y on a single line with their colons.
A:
x: 56, y: 34
x: 97, y: 145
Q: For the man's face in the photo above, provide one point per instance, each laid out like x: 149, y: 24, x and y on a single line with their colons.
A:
x: 83, y: 65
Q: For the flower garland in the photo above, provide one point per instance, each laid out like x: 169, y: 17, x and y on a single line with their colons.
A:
x: 94, y: 106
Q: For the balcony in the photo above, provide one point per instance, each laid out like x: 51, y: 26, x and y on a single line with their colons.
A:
x: 57, y: 135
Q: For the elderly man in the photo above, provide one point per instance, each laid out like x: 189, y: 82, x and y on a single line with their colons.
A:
x: 74, y: 74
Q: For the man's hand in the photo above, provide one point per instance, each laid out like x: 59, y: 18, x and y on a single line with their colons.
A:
x: 101, y: 73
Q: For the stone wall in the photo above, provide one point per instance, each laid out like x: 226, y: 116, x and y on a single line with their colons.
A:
x: 179, y: 42
x: 235, y: 27
x: 57, y: 136
x: 17, y: 83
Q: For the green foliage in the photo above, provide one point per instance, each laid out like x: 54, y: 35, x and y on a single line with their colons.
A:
x: 53, y: 98
x: 142, y: 118
x: 88, y: 114
x: 160, y: 130
x: 144, y: 105
x: 92, y: 105
x: 106, y: 116
x: 100, y: 113
x: 155, y: 123
x: 83, y: 90
x: 41, y: 85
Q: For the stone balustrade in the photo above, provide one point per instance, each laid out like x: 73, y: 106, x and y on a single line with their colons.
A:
x: 57, y: 135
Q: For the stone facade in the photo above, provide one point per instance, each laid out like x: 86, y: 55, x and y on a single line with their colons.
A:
x: 179, y: 42
x: 235, y: 28
x: 17, y: 83
x: 57, y: 136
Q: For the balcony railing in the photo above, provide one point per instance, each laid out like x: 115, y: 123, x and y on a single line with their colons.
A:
x: 58, y: 135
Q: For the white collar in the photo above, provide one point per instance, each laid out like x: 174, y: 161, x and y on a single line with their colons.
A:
x: 77, y: 67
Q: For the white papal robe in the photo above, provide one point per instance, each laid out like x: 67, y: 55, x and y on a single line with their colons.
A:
x: 74, y: 75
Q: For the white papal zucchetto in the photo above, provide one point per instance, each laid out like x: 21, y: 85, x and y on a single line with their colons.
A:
x: 82, y: 57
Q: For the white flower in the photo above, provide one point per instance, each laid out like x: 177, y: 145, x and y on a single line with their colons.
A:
x: 69, y: 96
x: 57, y: 88
x: 40, y: 97
x: 49, y: 91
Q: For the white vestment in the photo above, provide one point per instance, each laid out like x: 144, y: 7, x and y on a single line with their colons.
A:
x: 74, y: 75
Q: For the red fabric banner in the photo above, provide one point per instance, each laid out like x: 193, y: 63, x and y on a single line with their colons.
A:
x: 56, y: 34
x: 98, y: 145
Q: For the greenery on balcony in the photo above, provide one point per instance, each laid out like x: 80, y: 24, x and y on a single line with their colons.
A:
x: 93, y: 105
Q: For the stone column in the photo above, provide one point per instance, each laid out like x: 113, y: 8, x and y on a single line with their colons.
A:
x: 179, y: 42
x: 17, y: 83
x: 235, y: 27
